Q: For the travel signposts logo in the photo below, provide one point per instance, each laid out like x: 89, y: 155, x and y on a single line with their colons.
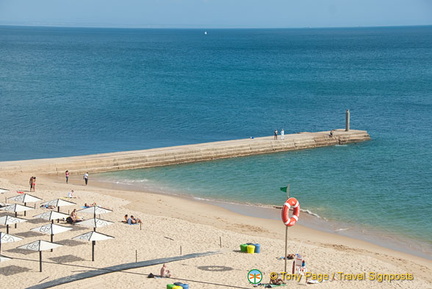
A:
x: 255, y: 276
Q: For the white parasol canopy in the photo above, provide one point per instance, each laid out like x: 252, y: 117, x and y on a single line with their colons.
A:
x: 16, y: 208
x: 93, y: 236
x: 58, y: 203
x: 6, y: 238
x: 2, y: 191
x: 25, y: 198
x: 95, y: 223
x: 51, y: 216
x: 4, y: 258
x: 51, y: 229
x: 8, y: 220
x: 95, y: 210
x: 39, y: 246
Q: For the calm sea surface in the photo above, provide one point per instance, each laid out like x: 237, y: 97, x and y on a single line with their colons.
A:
x: 66, y: 91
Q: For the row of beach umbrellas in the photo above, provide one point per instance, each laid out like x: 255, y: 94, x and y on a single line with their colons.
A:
x: 51, y: 228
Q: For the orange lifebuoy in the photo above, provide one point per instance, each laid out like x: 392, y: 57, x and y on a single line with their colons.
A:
x: 291, y: 202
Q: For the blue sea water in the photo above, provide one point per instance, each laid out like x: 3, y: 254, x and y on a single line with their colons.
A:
x: 75, y: 91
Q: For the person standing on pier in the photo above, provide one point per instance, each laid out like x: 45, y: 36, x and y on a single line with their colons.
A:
x: 275, y: 134
x: 282, y: 134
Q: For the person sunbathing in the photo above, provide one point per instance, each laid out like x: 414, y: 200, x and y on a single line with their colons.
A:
x: 88, y: 206
x: 164, y: 272
x: 135, y: 220
x: 278, y: 281
x: 74, y: 217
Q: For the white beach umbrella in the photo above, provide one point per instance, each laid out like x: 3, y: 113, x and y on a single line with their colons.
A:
x: 51, y: 229
x: 2, y: 191
x: 95, y: 210
x: 9, y: 220
x: 4, y: 258
x: 16, y: 208
x: 58, y: 203
x: 51, y: 216
x: 6, y: 238
x: 95, y: 223
x: 39, y: 246
x: 93, y: 236
x: 25, y: 198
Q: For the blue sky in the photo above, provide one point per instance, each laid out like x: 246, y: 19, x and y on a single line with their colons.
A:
x: 216, y: 13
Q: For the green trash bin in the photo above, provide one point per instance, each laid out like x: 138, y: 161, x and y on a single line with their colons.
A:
x: 243, y: 247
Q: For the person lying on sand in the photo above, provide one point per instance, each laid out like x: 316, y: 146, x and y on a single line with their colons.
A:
x: 88, y: 206
x: 278, y: 281
x: 132, y: 220
x: 135, y: 220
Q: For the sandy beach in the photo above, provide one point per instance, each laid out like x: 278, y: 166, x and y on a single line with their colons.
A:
x: 174, y: 226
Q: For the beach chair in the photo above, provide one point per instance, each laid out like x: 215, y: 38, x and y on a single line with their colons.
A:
x: 297, y: 264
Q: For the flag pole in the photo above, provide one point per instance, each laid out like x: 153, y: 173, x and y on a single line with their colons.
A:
x: 286, y: 234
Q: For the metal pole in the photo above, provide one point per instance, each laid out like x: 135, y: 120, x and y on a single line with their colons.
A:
x: 93, y: 244
x: 286, y: 235
x: 52, y: 240
x: 347, y: 120
x: 286, y: 248
x: 40, y: 261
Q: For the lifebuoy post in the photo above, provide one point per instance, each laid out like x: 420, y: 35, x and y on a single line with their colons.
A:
x: 289, y: 221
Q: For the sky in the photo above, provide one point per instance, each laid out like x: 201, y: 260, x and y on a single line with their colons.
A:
x: 216, y: 13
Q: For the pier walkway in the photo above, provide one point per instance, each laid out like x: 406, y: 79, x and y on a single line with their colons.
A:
x: 183, y: 154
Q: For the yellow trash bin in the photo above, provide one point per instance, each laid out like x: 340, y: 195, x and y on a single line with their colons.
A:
x: 251, y: 249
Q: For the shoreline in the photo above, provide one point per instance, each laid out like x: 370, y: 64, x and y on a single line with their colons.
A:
x: 307, y: 220
x: 173, y: 226
x: 171, y: 222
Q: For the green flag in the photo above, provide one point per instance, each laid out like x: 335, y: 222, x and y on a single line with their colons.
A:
x: 284, y: 189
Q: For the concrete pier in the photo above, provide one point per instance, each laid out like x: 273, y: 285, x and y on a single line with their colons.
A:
x: 183, y: 154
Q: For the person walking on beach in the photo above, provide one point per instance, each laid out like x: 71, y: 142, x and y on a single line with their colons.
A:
x: 67, y: 176
x: 85, y: 177
x: 275, y: 134
x: 31, y: 183
x: 282, y: 134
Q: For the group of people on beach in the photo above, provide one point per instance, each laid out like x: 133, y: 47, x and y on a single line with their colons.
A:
x: 131, y: 220
x: 32, y: 183
x: 282, y: 134
x: 85, y: 177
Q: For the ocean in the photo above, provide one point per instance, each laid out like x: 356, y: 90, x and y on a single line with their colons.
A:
x: 78, y: 91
